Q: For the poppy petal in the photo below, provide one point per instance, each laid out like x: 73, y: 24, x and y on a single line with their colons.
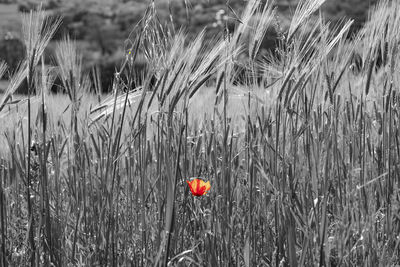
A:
x: 198, y: 187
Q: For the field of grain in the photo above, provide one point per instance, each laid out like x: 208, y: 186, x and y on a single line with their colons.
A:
x: 301, y: 148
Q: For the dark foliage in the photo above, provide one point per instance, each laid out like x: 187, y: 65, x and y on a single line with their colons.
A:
x: 12, y: 51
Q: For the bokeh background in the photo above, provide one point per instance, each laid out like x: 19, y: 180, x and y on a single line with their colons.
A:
x: 101, y: 28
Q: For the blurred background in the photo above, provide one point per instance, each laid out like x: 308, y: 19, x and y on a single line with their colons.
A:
x: 101, y: 27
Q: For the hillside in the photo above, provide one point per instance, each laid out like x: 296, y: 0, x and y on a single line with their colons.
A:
x: 102, y: 27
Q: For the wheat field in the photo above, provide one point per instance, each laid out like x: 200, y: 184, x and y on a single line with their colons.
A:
x: 302, y: 152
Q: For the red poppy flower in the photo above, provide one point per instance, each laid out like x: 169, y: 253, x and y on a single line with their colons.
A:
x: 199, y: 187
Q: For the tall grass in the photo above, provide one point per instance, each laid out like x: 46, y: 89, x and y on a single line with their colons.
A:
x: 304, y: 166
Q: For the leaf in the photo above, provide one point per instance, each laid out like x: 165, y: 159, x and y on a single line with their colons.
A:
x: 246, y: 253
